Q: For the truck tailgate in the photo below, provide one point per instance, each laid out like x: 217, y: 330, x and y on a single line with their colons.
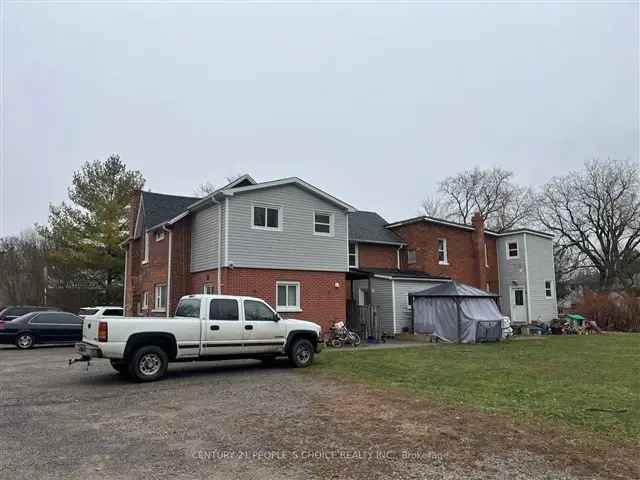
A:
x: 90, y: 329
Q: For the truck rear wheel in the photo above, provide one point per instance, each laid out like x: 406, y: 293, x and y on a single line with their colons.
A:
x: 301, y: 353
x: 148, y: 364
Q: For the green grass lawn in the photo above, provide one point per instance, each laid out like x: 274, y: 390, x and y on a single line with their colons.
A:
x: 558, y: 378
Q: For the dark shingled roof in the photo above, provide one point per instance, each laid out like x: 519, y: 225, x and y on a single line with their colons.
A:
x: 454, y: 289
x: 370, y: 227
x: 159, y: 208
x: 397, y: 273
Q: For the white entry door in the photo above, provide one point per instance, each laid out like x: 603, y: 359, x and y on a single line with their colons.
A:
x: 518, y: 307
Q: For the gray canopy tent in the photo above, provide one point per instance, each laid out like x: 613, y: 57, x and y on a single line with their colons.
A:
x: 455, y: 312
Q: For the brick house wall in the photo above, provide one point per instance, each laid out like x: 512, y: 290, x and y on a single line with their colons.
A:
x: 320, y: 300
x: 153, y: 272
x: 377, y: 255
x: 464, y: 260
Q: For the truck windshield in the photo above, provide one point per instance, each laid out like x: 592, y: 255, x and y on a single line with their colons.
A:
x: 188, y: 307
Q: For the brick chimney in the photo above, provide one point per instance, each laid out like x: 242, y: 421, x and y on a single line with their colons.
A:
x: 134, y: 205
x: 478, y: 250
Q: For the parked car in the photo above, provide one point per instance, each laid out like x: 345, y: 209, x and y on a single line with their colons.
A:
x: 41, y: 327
x: 205, y: 327
x: 99, y: 312
x: 14, y: 311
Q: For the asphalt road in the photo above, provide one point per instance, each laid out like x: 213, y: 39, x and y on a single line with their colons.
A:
x: 215, y: 420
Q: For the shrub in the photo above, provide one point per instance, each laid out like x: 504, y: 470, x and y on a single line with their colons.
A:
x: 611, y: 311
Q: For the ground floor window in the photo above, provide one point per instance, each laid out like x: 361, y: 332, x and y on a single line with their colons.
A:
x: 161, y: 297
x: 145, y: 300
x: 209, y: 289
x: 364, y: 297
x: 547, y: 289
x: 288, y: 296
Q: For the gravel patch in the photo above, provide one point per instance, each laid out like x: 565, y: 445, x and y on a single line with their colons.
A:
x: 225, y: 420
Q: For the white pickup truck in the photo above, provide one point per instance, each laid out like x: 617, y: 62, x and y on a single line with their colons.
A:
x: 205, y: 327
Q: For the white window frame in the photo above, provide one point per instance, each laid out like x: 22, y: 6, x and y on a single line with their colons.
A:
x: 409, y: 303
x: 356, y: 254
x: 288, y: 308
x: 331, y: 223
x: 509, y: 256
x: 157, y: 298
x: 266, y: 206
x: 550, y: 289
x: 145, y: 245
x: 159, y: 235
x: 415, y: 257
x: 209, y: 289
x: 445, y: 250
x: 145, y: 300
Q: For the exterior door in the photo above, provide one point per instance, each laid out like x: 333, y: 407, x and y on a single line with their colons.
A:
x: 222, y: 333
x: 518, y: 308
x: 263, y: 332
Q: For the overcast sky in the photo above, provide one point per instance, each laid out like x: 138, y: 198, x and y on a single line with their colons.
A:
x: 373, y: 103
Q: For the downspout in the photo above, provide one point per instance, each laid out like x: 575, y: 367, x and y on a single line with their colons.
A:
x: 169, y: 257
x: 398, y: 257
x: 219, y: 246
x: 526, y: 278
x: 124, y: 294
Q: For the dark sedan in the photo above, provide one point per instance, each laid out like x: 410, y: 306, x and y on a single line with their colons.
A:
x: 41, y: 327
x: 14, y: 311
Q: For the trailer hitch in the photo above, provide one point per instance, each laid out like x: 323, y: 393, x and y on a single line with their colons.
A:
x: 81, y: 359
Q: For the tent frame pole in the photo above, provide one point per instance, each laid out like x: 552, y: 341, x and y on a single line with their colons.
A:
x: 459, y: 320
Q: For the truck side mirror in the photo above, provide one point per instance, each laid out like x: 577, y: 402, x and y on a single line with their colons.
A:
x: 276, y: 317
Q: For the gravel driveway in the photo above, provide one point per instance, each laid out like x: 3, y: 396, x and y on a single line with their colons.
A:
x: 219, y: 420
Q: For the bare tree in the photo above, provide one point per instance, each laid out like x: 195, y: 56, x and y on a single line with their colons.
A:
x: 207, y: 187
x: 436, y: 206
x: 204, y: 189
x: 502, y: 203
x: 596, y: 213
x: 23, y: 267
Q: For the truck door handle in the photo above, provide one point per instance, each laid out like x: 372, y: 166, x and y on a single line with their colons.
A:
x: 215, y: 327
x: 248, y: 327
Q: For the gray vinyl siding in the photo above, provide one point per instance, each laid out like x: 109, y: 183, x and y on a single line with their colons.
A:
x: 204, y: 239
x: 540, y: 263
x: 402, y: 290
x: 294, y: 246
x: 381, y: 298
x: 512, y: 271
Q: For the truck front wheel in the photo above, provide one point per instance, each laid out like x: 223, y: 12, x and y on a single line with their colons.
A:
x: 301, y: 353
x: 148, y: 364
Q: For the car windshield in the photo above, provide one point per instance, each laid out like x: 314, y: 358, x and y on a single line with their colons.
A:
x: 88, y: 311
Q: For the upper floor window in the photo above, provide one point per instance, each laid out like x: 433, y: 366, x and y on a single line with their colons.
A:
x: 145, y: 256
x: 323, y: 223
x: 486, y: 256
x: 161, y: 297
x: 443, y: 258
x: 353, y: 255
x: 159, y: 235
x: 288, y: 294
x: 411, y: 256
x: 547, y: 289
x: 512, y: 250
x: 266, y: 218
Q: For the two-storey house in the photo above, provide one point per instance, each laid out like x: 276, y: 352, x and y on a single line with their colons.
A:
x: 285, y: 241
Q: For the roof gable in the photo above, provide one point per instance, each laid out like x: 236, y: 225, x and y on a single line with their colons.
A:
x: 289, y: 181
